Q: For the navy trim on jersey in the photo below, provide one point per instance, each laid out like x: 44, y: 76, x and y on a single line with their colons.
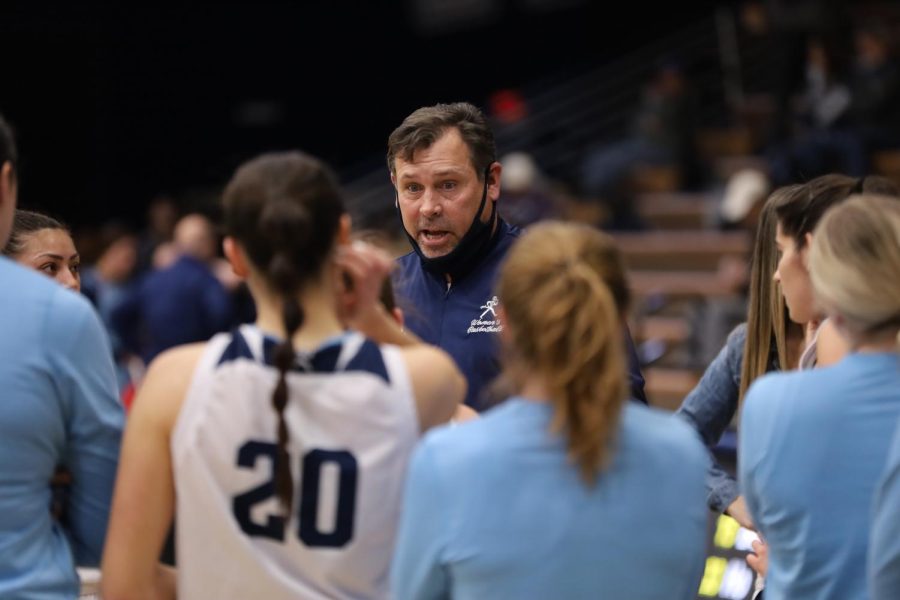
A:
x: 368, y: 357
x: 237, y: 348
x: 323, y: 360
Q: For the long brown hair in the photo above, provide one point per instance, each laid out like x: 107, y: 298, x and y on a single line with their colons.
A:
x: 799, y: 214
x: 564, y: 325
x: 284, y: 209
x: 767, y: 315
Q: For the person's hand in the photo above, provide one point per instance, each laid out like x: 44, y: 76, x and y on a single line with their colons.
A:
x: 738, y: 511
x: 362, y: 270
x: 759, y: 560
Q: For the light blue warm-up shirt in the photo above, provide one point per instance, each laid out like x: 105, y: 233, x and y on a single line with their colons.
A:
x: 494, y: 509
x: 813, y: 446
x: 884, y: 545
x: 58, y: 406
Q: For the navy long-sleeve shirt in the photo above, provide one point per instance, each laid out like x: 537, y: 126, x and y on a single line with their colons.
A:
x: 461, y: 317
x: 181, y: 304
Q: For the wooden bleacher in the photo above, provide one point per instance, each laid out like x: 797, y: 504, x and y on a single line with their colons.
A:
x: 667, y: 387
x: 670, y: 272
x: 680, y: 285
x: 887, y: 163
x: 676, y: 210
x: 726, y: 141
x: 726, y: 166
x: 681, y: 250
x: 655, y: 178
x: 671, y: 330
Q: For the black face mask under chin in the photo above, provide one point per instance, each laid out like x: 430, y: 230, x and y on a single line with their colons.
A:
x: 476, y: 242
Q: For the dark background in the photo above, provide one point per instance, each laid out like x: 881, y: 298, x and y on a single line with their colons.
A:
x: 114, y: 105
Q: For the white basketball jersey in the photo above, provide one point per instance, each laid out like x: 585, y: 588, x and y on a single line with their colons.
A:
x: 353, y: 425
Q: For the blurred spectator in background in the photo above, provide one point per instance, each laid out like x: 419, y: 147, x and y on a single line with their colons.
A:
x: 180, y: 304
x: 785, y: 27
x: 526, y: 197
x: 510, y: 116
x: 662, y: 134
x: 107, y: 284
x: 845, y: 114
x: 162, y: 214
x: 874, y: 115
x: 818, y: 124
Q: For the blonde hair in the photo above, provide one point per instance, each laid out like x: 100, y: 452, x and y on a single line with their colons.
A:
x: 855, y: 265
x: 564, y: 322
x: 767, y: 316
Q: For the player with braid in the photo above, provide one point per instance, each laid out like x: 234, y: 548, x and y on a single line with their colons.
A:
x: 301, y: 500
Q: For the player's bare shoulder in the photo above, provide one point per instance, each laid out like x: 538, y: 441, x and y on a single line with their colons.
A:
x: 167, y: 381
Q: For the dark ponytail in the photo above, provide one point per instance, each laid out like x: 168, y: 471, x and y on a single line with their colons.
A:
x: 284, y: 360
x: 281, y: 274
x: 25, y: 223
x: 284, y: 210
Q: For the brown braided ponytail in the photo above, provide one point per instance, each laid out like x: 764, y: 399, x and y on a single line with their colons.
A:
x: 284, y: 209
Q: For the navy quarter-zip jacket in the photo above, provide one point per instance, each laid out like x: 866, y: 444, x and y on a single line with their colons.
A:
x: 461, y: 317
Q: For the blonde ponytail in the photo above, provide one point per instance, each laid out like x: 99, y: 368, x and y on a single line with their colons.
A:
x: 855, y: 267
x: 565, y: 327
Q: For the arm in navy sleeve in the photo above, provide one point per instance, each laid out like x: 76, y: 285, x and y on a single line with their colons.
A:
x: 709, y: 408
x: 634, y: 369
x: 416, y: 571
x: 884, y: 544
x: 94, y: 417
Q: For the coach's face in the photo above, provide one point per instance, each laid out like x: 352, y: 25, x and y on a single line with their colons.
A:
x: 439, y: 192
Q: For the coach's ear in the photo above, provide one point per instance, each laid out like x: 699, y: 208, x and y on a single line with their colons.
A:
x: 235, y: 255
x: 493, y: 181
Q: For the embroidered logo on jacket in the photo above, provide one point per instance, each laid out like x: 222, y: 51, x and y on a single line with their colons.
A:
x: 492, y: 325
